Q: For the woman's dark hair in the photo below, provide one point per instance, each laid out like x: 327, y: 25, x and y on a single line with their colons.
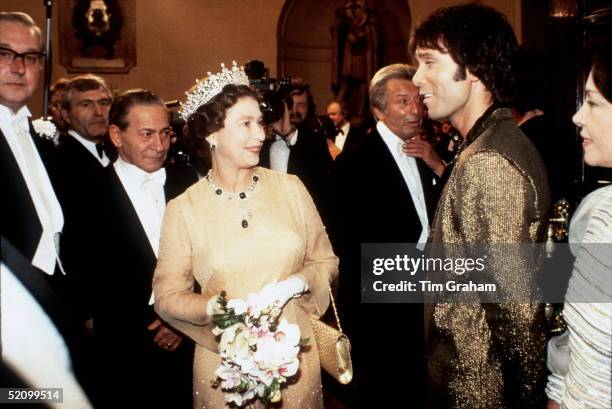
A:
x: 120, y: 109
x: 602, y: 69
x: 478, y: 38
x: 209, y: 118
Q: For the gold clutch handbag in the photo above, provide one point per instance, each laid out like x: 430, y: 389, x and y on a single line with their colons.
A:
x: 334, y: 347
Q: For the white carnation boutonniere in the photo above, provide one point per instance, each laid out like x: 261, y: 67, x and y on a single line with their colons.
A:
x: 46, y: 129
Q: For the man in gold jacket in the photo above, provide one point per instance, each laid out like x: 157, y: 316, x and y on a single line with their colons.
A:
x: 483, y: 354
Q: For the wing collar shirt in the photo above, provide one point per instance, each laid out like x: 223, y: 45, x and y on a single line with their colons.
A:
x: 91, y: 147
x: 16, y: 130
x: 146, y: 192
x: 410, y: 172
x: 280, y: 150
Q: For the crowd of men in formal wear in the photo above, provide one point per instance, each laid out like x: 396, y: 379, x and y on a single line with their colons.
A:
x: 84, y: 207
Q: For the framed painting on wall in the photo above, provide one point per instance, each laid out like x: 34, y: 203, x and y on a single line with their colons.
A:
x: 97, y: 35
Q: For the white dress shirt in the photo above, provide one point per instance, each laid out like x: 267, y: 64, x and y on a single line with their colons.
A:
x: 279, y: 152
x: 16, y: 130
x: 410, y: 172
x: 341, y: 137
x: 91, y: 147
x: 146, y: 192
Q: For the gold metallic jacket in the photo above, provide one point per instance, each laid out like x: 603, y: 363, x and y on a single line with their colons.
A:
x: 486, y: 355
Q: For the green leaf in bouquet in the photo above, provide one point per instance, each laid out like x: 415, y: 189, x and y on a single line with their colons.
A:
x: 222, y: 300
x: 243, y: 387
x: 273, y: 326
x: 270, y: 391
x: 228, y: 319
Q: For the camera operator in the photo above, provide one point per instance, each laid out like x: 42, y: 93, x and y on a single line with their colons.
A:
x: 298, y: 151
x: 303, y: 108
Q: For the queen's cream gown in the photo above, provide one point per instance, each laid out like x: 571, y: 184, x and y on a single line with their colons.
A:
x: 202, y: 239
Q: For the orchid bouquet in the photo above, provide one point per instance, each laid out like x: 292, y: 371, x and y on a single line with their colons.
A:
x: 258, y: 353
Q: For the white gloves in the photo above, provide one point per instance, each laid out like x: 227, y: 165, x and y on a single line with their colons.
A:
x: 274, y: 294
x: 290, y: 288
x: 210, y: 306
x: 277, y: 294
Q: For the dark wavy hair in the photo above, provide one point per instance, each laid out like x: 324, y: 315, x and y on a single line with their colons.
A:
x: 602, y: 68
x: 209, y: 117
x: 478, y: 38
x: 299, y: 87
x: 123, y: 103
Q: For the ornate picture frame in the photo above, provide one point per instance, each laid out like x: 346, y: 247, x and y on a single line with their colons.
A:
x: 97, y: 36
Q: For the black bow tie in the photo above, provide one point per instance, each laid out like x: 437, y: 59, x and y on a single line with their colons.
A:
x: 100, y: 150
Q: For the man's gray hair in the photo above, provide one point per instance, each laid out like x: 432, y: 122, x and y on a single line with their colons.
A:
x: 378, y: 85
x: 83, y: 83
x: 21, y: 18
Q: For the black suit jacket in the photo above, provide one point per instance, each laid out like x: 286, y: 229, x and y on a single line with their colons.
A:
x: 77, y: 169
x: 309, y: 159
x: 355, y: 137
x: 113, y: 264
x: 369, y: 197
x: 19, y: 220
x: 105, y: 244
x: 370, y: 203
x: 21, y: 227
x: 74, y: 158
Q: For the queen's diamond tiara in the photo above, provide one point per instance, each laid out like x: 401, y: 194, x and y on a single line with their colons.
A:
x: 205, y: 90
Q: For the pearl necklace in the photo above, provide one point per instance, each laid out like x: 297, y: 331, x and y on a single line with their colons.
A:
x: 246, y: 214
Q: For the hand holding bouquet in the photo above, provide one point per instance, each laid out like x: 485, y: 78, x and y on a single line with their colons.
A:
x: 258, y: 353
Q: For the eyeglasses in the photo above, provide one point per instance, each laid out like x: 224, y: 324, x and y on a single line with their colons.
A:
x: 30, y: 58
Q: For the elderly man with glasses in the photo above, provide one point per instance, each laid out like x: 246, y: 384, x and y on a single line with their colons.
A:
x: 33, y: 219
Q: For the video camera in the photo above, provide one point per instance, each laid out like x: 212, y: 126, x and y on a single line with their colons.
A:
x: 275, y: 93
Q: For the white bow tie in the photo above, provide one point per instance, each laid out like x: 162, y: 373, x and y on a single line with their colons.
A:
x: 159, y: 177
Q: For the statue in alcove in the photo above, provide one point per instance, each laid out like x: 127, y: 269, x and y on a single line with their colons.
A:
x: 356, y: 53
x: 98, y: 24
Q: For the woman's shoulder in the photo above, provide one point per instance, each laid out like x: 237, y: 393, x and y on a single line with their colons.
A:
x: 285, y: 186
x: 603, y: 196
x: 193, y: 194
x: 594, y: 216
x: 274, y: 177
